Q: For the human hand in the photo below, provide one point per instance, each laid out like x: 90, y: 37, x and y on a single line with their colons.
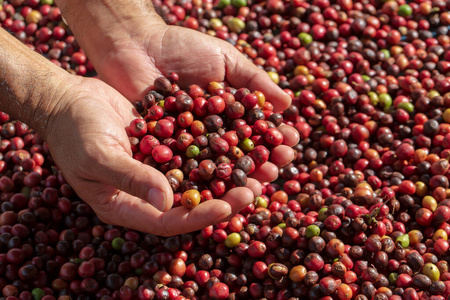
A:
x: 140, y: 47
x: 83, y: 121
x: 132, y: 65
x: 132, y: 62
x: 88, y: 141
x: 130, y: 46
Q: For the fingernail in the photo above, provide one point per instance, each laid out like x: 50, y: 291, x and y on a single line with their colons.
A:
x: 157, y: 198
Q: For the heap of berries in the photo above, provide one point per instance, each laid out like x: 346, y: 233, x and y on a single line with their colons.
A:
x: 205, y: 141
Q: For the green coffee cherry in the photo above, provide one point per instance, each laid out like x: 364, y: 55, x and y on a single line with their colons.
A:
x: 192, y: 151
x: 405, y: 10
x: 232, y: 240
x: 305, y: 38
x: 385, y: 100
x: 239, y: 3
x: 431, y: 271
x: 37, y: 293
x: 247, y: 145
x: 117, y: 243
x: 223, y: 3
x: 312, y: 230
x: 403, y: 240
x: 409, y: 107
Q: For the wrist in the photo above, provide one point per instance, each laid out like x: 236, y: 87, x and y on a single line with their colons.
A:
x: 30, y: 85
x: 51, y: 101
x: 101, y: 26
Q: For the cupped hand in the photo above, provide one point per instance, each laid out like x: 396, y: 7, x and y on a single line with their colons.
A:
x: 133, y: 63
x: 88, y: 141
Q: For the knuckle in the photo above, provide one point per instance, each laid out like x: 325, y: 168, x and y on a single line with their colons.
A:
x: 104, y: 217
x: 162, y: 227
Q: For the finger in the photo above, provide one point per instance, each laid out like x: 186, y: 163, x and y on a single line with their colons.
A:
x: 291, y: 137
x: 182, y: 220
x: 240, y: 72
x: 266, y: 172
x: 134, y: 213
x: 255, y: 186
x: 238, y: 198
x: 135, y: 178
x: 282, y: 155
x: 209, y: 212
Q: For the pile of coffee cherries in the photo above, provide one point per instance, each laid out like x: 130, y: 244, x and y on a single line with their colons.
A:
x: 363, y: 211
x: 213, y: 138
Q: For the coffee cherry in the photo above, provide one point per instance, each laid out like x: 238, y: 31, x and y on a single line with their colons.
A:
x: 190, y: 199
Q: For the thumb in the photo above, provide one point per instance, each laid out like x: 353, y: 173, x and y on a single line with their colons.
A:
x: 135, y: 178
x: 241, y: 72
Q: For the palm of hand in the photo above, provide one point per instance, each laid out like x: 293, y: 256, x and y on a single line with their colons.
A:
x: 106, y: 128
x: 197, y: 58
x: 194, y: 56
x: 102, y: 114
x: 85, y: 147
x: 87, y: 138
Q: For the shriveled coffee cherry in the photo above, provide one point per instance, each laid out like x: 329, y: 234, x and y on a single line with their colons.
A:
x: 327, y: 285
x: 223, y: 170
x: 163, y: 85
x: 238, y: 177
x: 149, y: 100
x: 213, y: 123
x: 184, y: 103
x: 219, y: 145
x: 207, y: 169
x: 245, y: 163
x: 277, y: 270
x: 234, y: 110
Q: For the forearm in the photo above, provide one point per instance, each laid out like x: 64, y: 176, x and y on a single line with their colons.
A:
x: 99, y: 24
x: 29, y: 84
